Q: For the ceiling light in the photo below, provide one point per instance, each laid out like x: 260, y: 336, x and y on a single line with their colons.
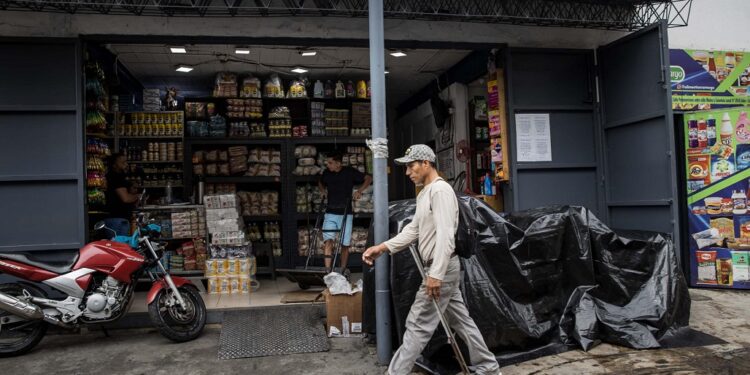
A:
x: 398, y: 53
x: 308, y: 52
x: 184, y: 68
x: 178, y: 49
x: 242, y: 51
x: 299, y: 70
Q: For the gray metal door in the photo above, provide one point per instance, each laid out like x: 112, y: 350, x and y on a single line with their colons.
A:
x: 41, y: 147
x: 638, y: 132
x: 559, y: 83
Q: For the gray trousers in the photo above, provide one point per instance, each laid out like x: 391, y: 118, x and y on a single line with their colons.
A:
x: 423, y: 320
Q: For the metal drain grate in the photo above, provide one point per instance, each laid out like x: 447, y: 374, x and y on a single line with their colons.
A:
x: 277, y: 330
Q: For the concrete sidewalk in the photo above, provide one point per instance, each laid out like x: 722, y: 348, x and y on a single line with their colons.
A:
x: 725, y: 314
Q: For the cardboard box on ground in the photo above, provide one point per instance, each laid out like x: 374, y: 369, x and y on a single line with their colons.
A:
x: 343, y: 314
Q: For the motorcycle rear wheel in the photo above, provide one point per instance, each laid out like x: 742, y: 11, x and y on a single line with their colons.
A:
x: 175, y: 323
x: 20, y: 337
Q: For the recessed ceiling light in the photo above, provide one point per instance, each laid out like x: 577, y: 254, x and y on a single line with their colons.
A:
x: 398, y: 53
x: 308, y: 52
x: 299, y: 70
x: 184, y: 68
x: 242, y: 50
x: 178, y: 49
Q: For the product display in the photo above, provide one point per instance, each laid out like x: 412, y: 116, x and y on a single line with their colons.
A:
x: 361, y: 119
x: 237, y: 161
x: 152, y: 100
x: 306, y: 163
x: 337, y: 122
x: 718, y: 181
x: 149, y: 124
x: 251, y: 87
x: 256, y: 203
x: 309, y: 199
x: 318, y: 121
x: 358, y: 241
x: 225, y: 85
x: 97, y: 148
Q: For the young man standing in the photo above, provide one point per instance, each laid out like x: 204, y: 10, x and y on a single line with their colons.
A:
x: 434, y: 224
x: 338, y: 183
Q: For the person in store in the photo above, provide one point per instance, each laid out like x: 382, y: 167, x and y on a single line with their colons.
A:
x: 434, y: 225
x: 337, y: 183
x: 121, y: 195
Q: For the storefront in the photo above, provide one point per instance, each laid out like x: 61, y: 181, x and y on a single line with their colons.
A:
x: 570, y: 126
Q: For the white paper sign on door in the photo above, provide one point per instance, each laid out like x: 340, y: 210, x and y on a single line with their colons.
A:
x: 533, y: 137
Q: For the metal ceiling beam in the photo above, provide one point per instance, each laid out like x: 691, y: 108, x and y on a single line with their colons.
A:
x: 592, y: 14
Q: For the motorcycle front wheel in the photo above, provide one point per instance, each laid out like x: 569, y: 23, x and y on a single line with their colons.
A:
x: 178, y: 323
x: 19, y: 337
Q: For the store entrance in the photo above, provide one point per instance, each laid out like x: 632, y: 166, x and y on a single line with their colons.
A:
x: 230, y: 141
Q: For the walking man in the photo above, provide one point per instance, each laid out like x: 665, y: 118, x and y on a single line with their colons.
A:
x: 434, y: 224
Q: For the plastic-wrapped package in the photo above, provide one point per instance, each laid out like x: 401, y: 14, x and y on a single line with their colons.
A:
x: 551, y: 279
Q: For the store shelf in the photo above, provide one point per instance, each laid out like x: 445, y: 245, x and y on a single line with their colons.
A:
x: 160, y: 186
x: 328, y: 140
x: 152, y: 137
x: 262, y: 217
x: 239, y: 179
x: 225, y: 141
x: 156, y: 162
x: 98, y: 213
x: 167, y: 239
x: 99, y: 135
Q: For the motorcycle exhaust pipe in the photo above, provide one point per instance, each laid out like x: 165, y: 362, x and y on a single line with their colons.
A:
x: 20, y: 308
x: 27, y: 310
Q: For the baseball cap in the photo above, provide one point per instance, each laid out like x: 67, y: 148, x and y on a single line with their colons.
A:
x: 417, y: 152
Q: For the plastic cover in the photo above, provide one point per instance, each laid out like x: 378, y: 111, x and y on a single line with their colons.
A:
x: 551, y: 279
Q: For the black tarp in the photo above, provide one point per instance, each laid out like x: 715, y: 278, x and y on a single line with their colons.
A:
x: 548, y: 280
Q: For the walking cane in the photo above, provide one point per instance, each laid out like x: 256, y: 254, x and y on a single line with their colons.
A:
x: 443, y: 321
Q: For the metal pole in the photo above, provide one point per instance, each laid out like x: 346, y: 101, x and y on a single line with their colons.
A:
x: 380, y: 178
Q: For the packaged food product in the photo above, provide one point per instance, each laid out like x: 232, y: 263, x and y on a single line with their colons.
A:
x: 706, y: 261
x: 273, y: 88
x: 724, y: 271
x: 222, y: 267
x: 234, y: 285
x: 224, y: 285
x: 698, y: 167
x: 213, y: 285
x: 244, y: 285
x: 725, y: 226
x: 741, y: 266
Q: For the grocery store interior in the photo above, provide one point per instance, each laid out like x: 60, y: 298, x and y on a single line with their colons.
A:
x: 256, y: 121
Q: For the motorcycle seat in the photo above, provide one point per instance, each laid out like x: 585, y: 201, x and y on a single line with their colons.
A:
x: 57, y: 261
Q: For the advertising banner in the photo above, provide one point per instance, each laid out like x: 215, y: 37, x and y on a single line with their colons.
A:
x: 718, y: 172
x: 703, y: 80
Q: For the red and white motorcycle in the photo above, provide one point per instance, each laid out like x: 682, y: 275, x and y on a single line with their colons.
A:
x: 98, y: 283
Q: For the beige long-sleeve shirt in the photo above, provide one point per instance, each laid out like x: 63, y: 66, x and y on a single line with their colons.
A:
x: 434, y: 225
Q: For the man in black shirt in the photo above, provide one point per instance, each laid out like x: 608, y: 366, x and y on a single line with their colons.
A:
x: 339, y: 182
x: 121, y: 197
